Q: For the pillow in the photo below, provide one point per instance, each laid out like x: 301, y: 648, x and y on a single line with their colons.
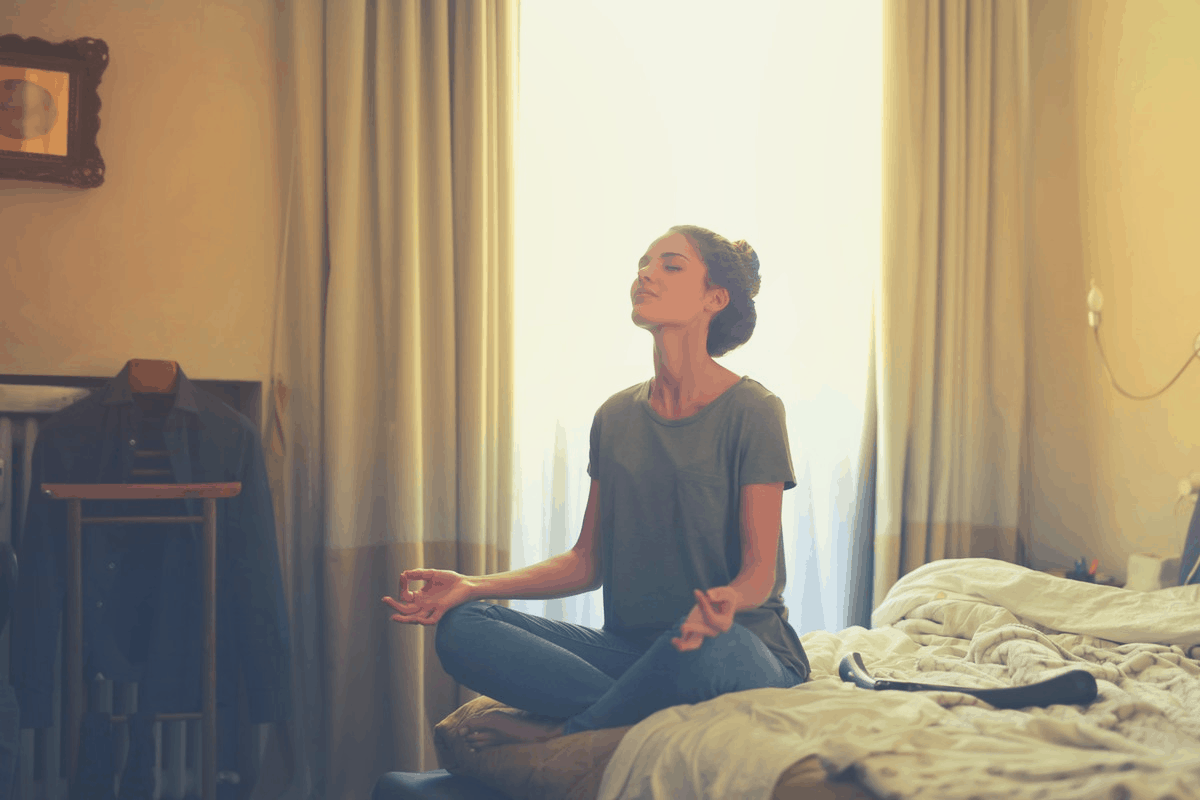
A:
x: 564, y: 768
x: 572, y: 767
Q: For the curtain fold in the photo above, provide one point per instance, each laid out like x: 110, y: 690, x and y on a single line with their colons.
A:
x: 949, y: 390
x: 861, y: 568
x: 389, y: 419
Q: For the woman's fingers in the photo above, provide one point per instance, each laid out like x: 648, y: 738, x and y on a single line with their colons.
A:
x: 421, y: 616
x: 706, y: 609
x: 403, y: 608
x: 414, y: 612
x: 718, y: 613
x: 698, y: 630
x: 723, y: 607
x: 707, y: 620
x: 710, y: 613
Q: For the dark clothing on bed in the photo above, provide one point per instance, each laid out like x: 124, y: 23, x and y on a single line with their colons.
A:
x: 669, y: 511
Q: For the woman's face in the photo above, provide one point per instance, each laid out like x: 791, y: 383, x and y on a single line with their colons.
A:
x: 669, y: 288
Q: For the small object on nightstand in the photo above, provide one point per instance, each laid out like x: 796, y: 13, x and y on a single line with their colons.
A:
x: 1082, y: 572
x: 1087, y: 574
x: 1149, y: 571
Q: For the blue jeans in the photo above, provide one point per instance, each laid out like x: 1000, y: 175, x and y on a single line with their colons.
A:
x: 591, y: 678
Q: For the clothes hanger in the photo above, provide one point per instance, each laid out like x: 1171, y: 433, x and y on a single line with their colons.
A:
x: 149, y: 376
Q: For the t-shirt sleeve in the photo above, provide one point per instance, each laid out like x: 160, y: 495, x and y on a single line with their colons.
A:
x: 763, y: 452
x: 593, y: 469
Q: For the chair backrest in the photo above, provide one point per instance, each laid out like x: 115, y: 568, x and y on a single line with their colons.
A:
x: 8, y: 583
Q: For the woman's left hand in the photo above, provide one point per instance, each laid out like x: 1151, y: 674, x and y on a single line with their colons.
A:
x: 710, y: 617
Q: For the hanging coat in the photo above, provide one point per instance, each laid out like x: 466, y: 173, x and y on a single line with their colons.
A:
x: 142, y: 589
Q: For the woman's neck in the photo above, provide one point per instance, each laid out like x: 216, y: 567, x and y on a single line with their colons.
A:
x: 685, y: 375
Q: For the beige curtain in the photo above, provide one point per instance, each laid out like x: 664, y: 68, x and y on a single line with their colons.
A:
x: 948, y: 415
x: 389, y: 416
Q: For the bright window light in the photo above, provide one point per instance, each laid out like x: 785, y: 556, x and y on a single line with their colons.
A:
x: 760, y: 120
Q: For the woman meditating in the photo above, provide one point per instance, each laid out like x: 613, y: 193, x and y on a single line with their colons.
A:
x: 682, y: 529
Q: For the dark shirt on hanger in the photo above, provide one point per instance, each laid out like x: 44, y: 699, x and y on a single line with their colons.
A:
x: 142, y: 591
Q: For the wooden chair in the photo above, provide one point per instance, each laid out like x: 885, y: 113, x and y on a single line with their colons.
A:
x: 74, y: 495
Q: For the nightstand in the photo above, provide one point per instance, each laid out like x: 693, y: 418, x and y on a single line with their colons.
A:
x: 1102, y: 579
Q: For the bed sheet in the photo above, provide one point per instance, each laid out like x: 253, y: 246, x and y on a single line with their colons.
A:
x: 961, y: 622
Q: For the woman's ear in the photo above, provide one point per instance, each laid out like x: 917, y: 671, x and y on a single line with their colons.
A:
x: 718, y: 299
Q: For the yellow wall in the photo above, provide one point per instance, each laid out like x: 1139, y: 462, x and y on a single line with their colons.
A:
x: 175, y: 255
x: 1116, y: 94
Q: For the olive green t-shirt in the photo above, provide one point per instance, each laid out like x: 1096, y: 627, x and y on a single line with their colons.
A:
x: 670, y: 493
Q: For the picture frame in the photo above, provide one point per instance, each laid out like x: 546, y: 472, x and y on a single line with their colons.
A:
x: 50, y: 110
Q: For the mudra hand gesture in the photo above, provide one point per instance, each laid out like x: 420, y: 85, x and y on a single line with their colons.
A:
x: 443, y: 590
x: 710, y: 617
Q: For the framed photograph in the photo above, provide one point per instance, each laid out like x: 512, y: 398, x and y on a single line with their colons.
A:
x: 50, y: 110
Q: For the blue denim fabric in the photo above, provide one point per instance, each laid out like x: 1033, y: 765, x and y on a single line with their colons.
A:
x: 591, y: 678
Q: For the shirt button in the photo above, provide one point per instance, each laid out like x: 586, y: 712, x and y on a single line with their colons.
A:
x: 112, y: 565
x: 99, y: 604
x: 133, y: 442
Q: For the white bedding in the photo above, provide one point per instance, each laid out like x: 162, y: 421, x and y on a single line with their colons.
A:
x: 961, y: 622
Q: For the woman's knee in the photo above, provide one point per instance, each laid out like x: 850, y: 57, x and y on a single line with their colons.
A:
x: 737, y: 641
x: 455, y: 629
x: 723, y: 663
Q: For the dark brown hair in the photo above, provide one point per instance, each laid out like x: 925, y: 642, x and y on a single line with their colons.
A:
x: 734, y: 267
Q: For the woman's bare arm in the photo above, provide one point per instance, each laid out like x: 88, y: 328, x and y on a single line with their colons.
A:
x: 761, y: 515
x: 576, y: 571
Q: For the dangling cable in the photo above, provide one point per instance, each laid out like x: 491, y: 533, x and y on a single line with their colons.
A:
x: 1095, y: 302
x: 1113, y: 380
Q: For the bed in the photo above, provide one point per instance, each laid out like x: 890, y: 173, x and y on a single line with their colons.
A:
x: 961, y: 622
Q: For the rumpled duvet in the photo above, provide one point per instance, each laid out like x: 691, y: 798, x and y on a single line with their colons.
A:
x: 963, y: 622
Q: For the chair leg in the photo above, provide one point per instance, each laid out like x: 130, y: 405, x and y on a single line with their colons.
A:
x: 95, y: 775
x: 137, y: 779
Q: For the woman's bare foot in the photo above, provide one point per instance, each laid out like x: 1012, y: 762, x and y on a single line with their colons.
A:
x: 499, y: 727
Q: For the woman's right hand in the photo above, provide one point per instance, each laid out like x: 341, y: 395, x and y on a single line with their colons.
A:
x: 443, y: 590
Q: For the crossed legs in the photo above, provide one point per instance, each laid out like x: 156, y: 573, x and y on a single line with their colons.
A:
x: 577, y: 678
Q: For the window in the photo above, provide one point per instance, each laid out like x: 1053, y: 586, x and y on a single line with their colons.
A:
x: 759, y: 120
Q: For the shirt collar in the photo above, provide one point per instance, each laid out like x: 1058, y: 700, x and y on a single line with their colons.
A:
x: 119, y: 392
